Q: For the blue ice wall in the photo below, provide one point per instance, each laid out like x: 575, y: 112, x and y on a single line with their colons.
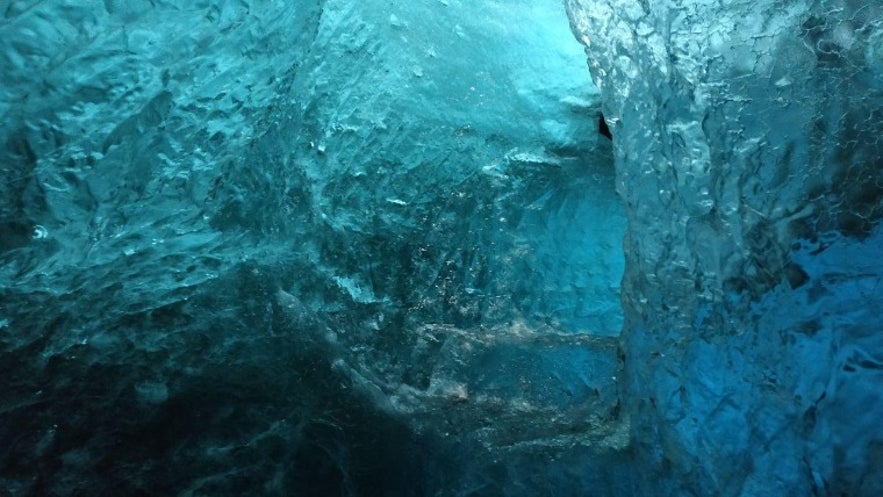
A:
x: 748, y: 152
x: 305, y: 248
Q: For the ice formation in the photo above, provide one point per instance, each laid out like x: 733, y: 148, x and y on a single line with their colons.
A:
x: 311, y: 248
x: 748, y: 152
x: 367, y: 247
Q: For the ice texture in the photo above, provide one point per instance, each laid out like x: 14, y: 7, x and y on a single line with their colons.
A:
x: 305, y: 248
x: 748, y: 149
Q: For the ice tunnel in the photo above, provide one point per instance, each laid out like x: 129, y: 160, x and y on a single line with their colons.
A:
x: 381, y: 248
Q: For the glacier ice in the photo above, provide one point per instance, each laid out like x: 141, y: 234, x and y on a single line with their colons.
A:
x: 322, y: 248
x: 748, y: 152
x: 375, y: 248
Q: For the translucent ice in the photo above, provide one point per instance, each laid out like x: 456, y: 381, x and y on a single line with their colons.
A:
x: 748, y: 151
x: 313, y: 248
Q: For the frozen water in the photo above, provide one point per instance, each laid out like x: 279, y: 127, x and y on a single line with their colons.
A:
x: 748, y: 151
x: 375, y: 248
x: 312, y: 248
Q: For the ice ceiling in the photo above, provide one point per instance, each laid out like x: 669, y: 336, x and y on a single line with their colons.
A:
x: 375, y: 248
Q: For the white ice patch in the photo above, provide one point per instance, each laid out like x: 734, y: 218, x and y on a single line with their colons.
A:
x: 357, y: 290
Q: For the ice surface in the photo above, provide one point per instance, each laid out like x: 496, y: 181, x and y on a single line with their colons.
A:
x: 748, y: 151
x: 374, y: 248
x: 311, y: 248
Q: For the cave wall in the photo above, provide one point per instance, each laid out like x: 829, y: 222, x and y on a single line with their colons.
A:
x: 748, y: 151
x: 310, y: 248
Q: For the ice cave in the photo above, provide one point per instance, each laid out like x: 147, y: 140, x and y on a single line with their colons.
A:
x: 347, y: 248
